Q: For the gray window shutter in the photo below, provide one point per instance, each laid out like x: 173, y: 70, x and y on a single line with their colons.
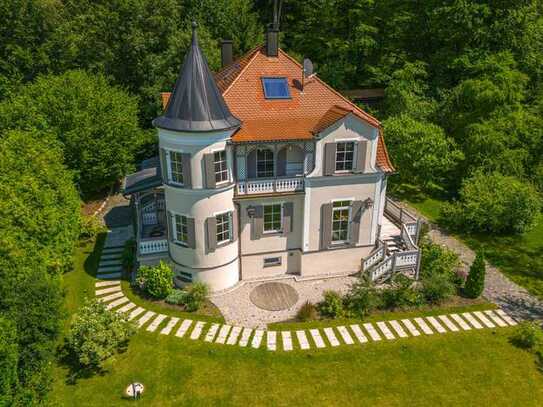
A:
x: 187, y: 178
x: 329, y: 159
x: 209, y: 170
x: 361, y: 155
x: 251, y: 164
x: 211, y: 232
x: 287, y: 217
x: 356, y: 215
x: 258, y: 222
x: 282, y: 162
x: 235, y: 229
x: 163, y: 166
x: 326, y: 225
x: 191, y: 231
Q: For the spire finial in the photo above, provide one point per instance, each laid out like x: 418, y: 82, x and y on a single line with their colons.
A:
x: 194, y: 36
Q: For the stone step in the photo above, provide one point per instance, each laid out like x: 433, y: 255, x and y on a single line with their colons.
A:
x: 197, y: 331
x: 107, y: 283
x: 108, y: 290
x: 135, y: 313
x: 110, y: 263
x: 358, y: 333
x: 109, y: 269
x: 183, y: 328
x: 472, y: 320
x: 497, y: 320
x: 271, y: 340
x: 424, y: 326
x: 257, y: 338
x: 234, y: 334
x: 448, y: 323
x: 245, y: 335
x: 410, y: 327
x: 329, y: 332
x: 111, y: 297
x: 156, y: 322
x: 345, y: 335
x: 210, y: 336
x: 112, y: 251
x: 145, y: 318
x: 117, y: 302
x: 486, y: 322
x: 108, y: 276
x: 169, y: 326
x: 287, y: 340
x: 461, y: 323
x: 317, y: 338
x: 506, y: 317
x: 384, y: 329
x: 398, y: 329
x: 126, y: 308
x: 437, y: 326
x: 302, y: 340
x: 223, y: 334
x: 374, y: 335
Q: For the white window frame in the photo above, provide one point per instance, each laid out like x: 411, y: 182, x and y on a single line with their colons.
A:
x: 353, y: 142
x: 225, y: 165
x: 272, y: 161
x: 174, y: 228
x: 350, y: 200
x: 169, y: 165
x: 264, y: 218
x: 229, y: 223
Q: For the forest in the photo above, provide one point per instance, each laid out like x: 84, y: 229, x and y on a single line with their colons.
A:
x: 80, y: 82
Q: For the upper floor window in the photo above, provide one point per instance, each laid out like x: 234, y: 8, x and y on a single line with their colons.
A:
x: 176, y: 166
x: 221, y: 169
x: 272, y: 218
x: 340, y: 221
x: 276, y: 88
x: 264, y: 163
x: 344, y: 156
x: 181, y: 229
x: 224, y: 227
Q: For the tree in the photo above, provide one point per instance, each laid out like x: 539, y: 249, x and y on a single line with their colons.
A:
x: 9, y: 356
x: 96, y: 124
x: 475, y: 282
x: 96, y: 334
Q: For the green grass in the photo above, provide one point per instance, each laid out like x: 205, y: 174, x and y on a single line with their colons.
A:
x: 519, y: 257
x: 465, y: 368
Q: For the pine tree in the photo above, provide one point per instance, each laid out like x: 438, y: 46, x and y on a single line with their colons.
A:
x: 475, y: 282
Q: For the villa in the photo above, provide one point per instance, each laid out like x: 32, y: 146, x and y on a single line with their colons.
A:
x: 266, y: 172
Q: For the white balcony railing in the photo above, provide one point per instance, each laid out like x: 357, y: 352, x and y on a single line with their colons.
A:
x: 151, y: 246
x: 270, y: 185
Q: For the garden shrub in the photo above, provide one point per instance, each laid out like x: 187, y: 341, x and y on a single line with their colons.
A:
x: 437, y: 287
x: 307, y: 312
x: 9, y: 355
x: 362, y: 299
x: 196, y: 295
x: 529, y: 336
x: 475, y: 283
x: 90, y: 227
x: 156, y: 281
x: 177, y: 297
x: 494, y: 203
x: 399, y: 294
x: 97, y: 333
x: 332, y: 305
x: 437, y: 260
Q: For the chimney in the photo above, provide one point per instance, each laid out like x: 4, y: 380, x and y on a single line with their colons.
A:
x: 226, y: 52
x: 272, y: 42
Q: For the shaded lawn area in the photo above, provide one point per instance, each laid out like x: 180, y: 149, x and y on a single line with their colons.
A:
x: 519, y: 257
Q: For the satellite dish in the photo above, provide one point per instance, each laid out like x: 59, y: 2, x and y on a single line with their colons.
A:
x: 308, y: 67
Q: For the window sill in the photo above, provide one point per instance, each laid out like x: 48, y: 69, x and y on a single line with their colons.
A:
x: 272, y: 233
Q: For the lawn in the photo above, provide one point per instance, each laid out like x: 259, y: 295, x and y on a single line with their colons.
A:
x: 466, y: 368
x: 519, y: 257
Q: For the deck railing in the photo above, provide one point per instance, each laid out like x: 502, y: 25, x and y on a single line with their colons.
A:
x: 265, y: 186
x: 153, y: 245
x: 402, y: 217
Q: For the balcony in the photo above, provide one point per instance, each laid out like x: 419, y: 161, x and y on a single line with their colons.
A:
x: 152, y: 230
x: 266, y: 186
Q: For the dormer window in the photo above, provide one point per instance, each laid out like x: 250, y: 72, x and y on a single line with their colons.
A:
x: 276, y: 88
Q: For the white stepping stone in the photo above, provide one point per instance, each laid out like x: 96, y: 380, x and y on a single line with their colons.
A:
x: 384, y: 329
x: 506, y: 317
x: 374, y: 335
x: 437, y: 326
x: 169, y: 326
x: 146, y: 317
x: 302, y: 340
x: 107, y: 283
x: 287, y: 340
x: 117, y: 302
x: 345, y: 335
x: 135, y: 313
x: 486, y: 322
x: 398, y: 329
x: 472, y: 320
x: 234, y: 335
x: 497, y: 320
x: 271, y: 340
x: 223, y: 333
x: 424, y: 326
x: 329, y: 332
x: 126, y: 308
x: 257, y: 338
x: 448, y: 323
x: 107, y: 276
x: 154, y: 325
x: 111, y: 297
x: 108, y: 290
x: 358, y: 333
x: 410, y: 327
x: 458, y: 319
x: 245, y: 335
x: 197, y: 331
x: 212, y: 332
x: 315, y: 334
x: 183, y: 328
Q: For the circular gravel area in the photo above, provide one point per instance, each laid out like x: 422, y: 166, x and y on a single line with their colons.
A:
x: 274, y: 296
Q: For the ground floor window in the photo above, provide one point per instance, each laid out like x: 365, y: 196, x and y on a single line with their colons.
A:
x: 272, y: 218
x: 340, y: 221
x: 272, y: 261
x: 224, y: 227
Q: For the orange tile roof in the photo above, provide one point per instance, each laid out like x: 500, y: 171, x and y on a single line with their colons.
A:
x: 305, y: 114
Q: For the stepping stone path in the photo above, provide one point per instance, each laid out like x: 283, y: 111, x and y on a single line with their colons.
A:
x: 108, y: 289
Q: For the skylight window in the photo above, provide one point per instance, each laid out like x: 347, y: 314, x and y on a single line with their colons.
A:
x: 276, y: 88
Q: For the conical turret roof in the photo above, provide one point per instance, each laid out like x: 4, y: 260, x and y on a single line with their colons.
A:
x: 196, y: 103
